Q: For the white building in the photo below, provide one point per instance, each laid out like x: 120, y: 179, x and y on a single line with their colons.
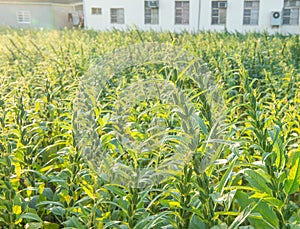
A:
x: 273, y: 16
x: 50, y: 14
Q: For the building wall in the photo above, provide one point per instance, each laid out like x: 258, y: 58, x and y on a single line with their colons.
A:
x: 134, y: 15
x: 42, y: 15
x: 60, y: 16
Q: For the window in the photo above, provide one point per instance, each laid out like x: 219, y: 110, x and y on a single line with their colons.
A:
x: 117, y: 16
x: 291, y: 3
x: 151, y: 14
x: 290, y: 13
x: 23, y: 17
x: 251, y: 12
x: 182, y: 12
x: 218, y: 12
x: 96, y: 11
x: 290, y: 16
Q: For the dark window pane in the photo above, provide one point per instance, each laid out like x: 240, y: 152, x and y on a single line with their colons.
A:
x: 247, y: 13
x: 246, y: 21
x: 214, y: 4
x: 215, y: 12
x: 286, y: 12
x: 214, y: 21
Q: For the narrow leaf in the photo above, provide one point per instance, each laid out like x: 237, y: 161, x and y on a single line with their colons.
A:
x: 293, y: 180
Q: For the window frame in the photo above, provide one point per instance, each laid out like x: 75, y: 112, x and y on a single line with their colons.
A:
x: 292, y: 18
x: 291, y: 4
x: 181, y: 18
x: 96, y: 10
x: 23, y: 17
x: 218, y: 14
x: 252, y: 20
x: 151, y: 15
x: 117, y: 18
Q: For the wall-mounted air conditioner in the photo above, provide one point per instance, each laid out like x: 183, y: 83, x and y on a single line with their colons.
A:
x: 276, y: 18
x: 153, y: 4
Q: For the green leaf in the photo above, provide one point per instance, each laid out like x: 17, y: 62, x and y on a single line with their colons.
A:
x: 115, y: 189
x: 58, y: 211
x: 257, y: 181
x: 220, y: 226
x: 225, y: 178
x: 47, y: 203
x: 48, y: 225
x: 243, y: 215
x: 48, y: 193
x: 262, y: 208
x: 293, y: 179
x: 196, y: 223
x: 74, y: 222
x: 31, y: 216
x: 269, y: 199
x: 33, y: 225
x: 202, y: 125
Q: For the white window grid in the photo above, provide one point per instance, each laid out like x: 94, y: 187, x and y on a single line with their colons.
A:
x: 218, y: 15
x: 24, y: 17
x: 251, y: 13
x: 290, y: 16
x: 151, y: 14
x: 117, y: 16
x: 182, y: 12
x: 291, y: 3
x: 96, y: 11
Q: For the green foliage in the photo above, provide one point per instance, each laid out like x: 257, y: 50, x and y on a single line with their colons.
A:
x: 251, y: 180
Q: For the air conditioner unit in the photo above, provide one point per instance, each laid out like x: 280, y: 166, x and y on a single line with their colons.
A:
x: 153, y: 4
x: 276, y: 18
x: 222, y: 4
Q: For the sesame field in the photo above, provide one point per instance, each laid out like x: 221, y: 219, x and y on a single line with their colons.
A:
x: 132, y: 130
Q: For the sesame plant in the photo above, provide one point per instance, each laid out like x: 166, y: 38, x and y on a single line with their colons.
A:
x: 135, y: 129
